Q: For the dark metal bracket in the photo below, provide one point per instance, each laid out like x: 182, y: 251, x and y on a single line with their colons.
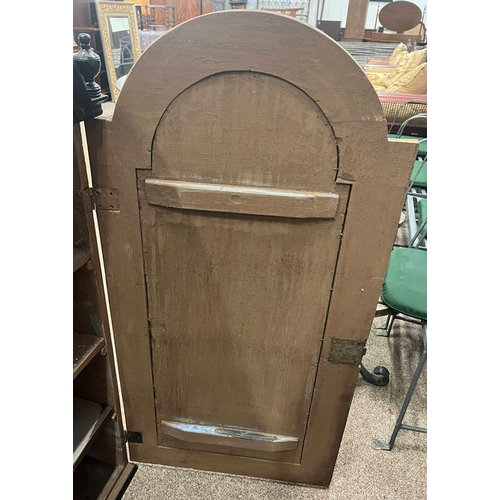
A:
x: 105, y: 198
x: 345, y: 351
x: 134, y: 437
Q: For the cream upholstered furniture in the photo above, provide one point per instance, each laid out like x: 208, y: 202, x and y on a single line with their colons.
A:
x: 401, y: 84
x: 404, y: 72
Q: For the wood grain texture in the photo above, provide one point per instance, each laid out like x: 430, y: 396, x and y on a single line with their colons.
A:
x: 239, y: 305
x: 207, y: 6
x: 187, y: 9
x: 241, y: 199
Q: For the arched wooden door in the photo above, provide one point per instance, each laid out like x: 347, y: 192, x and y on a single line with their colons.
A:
x: 254, y: 202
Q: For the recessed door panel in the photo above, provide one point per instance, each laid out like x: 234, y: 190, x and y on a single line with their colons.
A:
x: 241, y: 234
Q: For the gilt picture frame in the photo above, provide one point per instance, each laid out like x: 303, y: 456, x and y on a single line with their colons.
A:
x: 118, y: 27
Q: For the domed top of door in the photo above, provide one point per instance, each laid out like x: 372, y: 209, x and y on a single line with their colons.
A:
x: 244, y: 41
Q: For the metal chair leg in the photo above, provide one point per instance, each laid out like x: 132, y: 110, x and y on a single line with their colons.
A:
x: 380, y: 445
x: 385, y: 331
x: 379, y: 377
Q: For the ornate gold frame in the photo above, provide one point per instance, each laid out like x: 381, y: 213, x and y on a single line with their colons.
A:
x: 105, y: 10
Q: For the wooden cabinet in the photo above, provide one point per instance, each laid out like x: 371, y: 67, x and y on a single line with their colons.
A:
x: 100, y: 465
x: 248, y: 200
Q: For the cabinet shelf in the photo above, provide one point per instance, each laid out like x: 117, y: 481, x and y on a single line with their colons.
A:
x: 85, y: 348
x: 88, y: 418
x: 80, y: 258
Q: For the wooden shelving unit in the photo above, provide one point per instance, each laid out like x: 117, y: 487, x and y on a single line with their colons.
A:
x: 80, y: 258
x: 101, y: 469
x: 88, y: 420
x: 85, y: 347
x: 100, y: 464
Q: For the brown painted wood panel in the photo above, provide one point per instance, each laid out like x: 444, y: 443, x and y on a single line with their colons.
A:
x: 222, y: 317
x: 262, y: 283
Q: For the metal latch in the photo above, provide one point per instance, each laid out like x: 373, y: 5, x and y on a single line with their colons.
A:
x: 344, y: 351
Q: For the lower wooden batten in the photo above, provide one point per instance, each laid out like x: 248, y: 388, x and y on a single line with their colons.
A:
x: 242, y: 466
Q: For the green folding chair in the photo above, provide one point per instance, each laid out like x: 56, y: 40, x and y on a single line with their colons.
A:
x: 419, y: 238
x: 416, y: 207
x: 418, y: 177
x: 404, y: 293
x: 422, y: 143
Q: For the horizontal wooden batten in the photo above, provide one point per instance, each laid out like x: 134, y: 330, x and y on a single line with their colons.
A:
x: 229, y: 436
x: 241, y: 199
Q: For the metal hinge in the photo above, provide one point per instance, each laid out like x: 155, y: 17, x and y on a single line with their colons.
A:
x: 344, y: 351
x: 133, y: 437
x: 121, y: 438
x: 103, y: 198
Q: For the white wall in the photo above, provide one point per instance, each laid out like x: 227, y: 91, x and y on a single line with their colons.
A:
x: 336, y: 10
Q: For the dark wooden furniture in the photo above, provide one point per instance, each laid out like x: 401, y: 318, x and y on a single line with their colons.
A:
x: 248, y: 203
x: 356, y: 19
x: 158, y: 16
x: 100, y: 463
x: 399, y: 17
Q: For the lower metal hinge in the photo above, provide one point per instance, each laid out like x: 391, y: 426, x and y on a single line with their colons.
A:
x: 133, y: 437
x: 344, y: 351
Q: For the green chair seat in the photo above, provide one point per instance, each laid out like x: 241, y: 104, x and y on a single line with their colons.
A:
x: 422, y: 147
x: 419, y: 174
x: 405, y: 284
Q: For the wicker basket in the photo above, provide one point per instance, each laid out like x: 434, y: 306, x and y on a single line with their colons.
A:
x: 397, y: 109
